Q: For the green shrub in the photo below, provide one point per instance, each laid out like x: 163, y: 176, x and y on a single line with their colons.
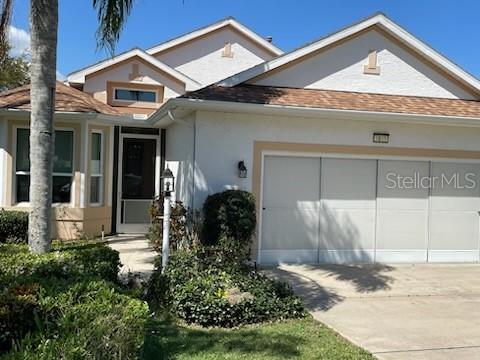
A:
x: 180, y: 225
x: 95, y: 321
x: 204, y: 287
x: 18, y: 309
x: 67, y: 304
x: 66, y: 261
x: 229, y: 214
x: 13, y: 226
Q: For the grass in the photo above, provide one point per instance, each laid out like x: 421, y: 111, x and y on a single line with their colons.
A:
x: 293, y: 339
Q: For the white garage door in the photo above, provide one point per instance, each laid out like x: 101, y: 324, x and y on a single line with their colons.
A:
x: 361, y: 210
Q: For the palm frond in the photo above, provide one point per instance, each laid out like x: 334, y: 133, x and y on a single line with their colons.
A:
x: 112, y: 16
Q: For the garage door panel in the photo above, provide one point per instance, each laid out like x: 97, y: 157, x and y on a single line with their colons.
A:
x: 402, y: 229
x: 456, y: 186
x: 348, y: 208
x: 347, y: 229
x: 349, y: 183
x: 291, y: 181
x: 396, y: 191
x: 290, y: 229
x: 454, y: 230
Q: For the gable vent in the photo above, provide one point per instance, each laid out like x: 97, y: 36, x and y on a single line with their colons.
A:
x: 227, y: 50
x: 372, y: 67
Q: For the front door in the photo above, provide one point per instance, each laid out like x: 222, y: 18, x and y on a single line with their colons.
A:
x: 137, y: 183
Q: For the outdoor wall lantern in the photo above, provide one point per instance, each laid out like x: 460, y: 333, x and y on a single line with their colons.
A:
x: 168, y: 181
x: 168, y: 186
x: 242, y: 170
x: 381, y: 138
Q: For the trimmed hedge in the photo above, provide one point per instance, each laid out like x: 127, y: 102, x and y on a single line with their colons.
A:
x: 13, y: 226
x: 229, y: 214
x: 202, y: 286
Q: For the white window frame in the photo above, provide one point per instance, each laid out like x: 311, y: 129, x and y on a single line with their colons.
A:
x: 27, y: 173
x: 114, y: 97
x: 99, y: 175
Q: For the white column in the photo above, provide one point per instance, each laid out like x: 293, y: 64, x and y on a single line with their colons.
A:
x: 3, y: 161
x: 83, y: 164
x: 111, y: 139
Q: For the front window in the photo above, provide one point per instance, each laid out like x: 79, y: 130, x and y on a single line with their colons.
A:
x: 135, y: 95
x: 96, y: 169
x: 62, y: 166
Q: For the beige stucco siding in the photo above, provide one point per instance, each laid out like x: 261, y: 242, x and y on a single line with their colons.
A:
x: 73, y: 219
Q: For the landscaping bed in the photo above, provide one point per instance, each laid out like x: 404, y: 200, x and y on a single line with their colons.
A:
x: 67, y: 304
x: 205, y: 286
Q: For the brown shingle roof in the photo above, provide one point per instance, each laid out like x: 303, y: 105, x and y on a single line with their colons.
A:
x: 341, y: 100
x: 66, y: 99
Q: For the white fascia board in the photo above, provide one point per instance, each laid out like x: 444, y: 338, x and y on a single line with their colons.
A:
x: 162, y: 119
x: 381, y: 20
x: 96, y: 118
x: 79, y: 76
x: 218, y: 25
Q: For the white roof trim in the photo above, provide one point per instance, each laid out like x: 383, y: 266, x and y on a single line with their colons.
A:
x: 161, y: 118
x: 205, y: 30
x: 378, y: 19
x: 79, y: 76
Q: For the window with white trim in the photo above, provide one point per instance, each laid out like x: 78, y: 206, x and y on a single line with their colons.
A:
x: 96, y: 168
x: 135, y: 95
x: 62, y: 166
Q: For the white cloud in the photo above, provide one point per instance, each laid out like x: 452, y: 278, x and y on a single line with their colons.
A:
x: 19, y: 40
x: 60, y: 76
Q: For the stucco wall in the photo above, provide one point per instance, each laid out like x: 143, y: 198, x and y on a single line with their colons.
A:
x: 223, y: 139
x: 341, y: 68
x: 96, y: 84
x: 202, y: 59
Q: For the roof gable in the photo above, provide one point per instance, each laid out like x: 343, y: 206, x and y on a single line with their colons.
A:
x: 199, y: 33
x: 79, y: 76
x: 204, y: 58
x: 370, y: 62
x: 380, y: 23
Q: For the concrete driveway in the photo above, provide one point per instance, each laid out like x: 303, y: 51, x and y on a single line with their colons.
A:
x: 395, y: 312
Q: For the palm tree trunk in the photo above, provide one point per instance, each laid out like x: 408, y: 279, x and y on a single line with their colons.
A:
x: 43, y: 29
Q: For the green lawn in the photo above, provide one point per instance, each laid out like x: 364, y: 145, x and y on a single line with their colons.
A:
x: 294, y: 339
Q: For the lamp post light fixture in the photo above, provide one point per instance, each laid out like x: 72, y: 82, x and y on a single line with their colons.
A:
x: 242, y: 170
x: 168, y: 181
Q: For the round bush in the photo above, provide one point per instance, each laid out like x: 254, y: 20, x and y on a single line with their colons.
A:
x: 229, y: 214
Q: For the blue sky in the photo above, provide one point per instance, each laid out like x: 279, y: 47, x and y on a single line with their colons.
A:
x: 451, y: 27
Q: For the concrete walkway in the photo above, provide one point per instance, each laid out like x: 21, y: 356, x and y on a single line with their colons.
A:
x: 400, y: 312
x: 136, y: 254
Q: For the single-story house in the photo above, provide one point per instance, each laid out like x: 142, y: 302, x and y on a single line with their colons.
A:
x: 362, y: 146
